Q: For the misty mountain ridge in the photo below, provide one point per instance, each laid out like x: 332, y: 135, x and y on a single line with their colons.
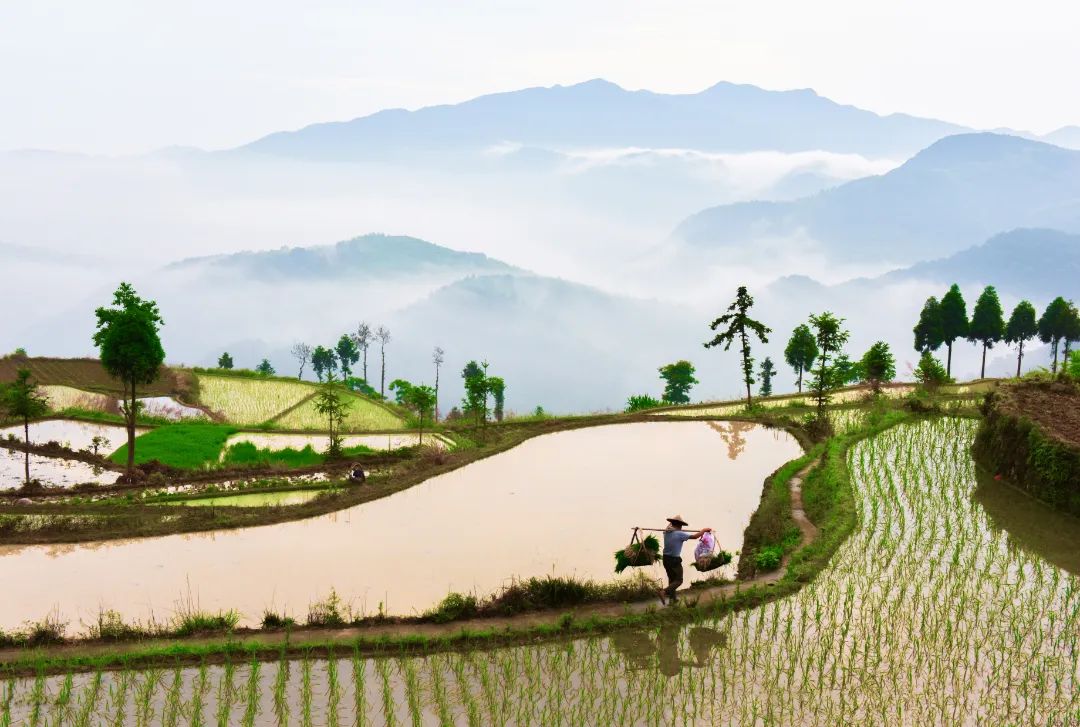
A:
x: 367, y: 256
x: 1022, y: 263
x: 725, y: 117
x: 952, y: 195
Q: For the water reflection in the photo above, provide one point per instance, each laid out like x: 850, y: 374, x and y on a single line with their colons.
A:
x: 1030, y: 524
x: 734, y: 434
x: 640, y: 649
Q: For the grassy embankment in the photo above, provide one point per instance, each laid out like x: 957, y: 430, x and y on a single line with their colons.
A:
x: 1030, y: 436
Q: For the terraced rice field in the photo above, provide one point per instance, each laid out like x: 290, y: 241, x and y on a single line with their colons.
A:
x: 67, y: 397
x: 362, y: 415
x: 250, y: 401
x: 80, y: 373
x: 926, y: 615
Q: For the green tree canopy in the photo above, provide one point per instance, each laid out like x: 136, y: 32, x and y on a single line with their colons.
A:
x: 323, y: 361
x: 678, y: 380
x: 830, y: 336
x: 497, y: 387
x: 929, y: 331
x: 801, y: 352
x: 476, y: 391
x: 930, y: 373
x: 878, y: 365
x: 420, y: 399
x: 954, y: 321
x: 1070, y: 332
x: 23, y: 400
x: 987, y: 323
x: 767, y: 371
x: 739, y: 325
x: 348, y: 353
x: 329, y: 402
x: 127, y: 337
x: 1021, y: 328
x: 401, y: 389
x: 265, y: 368
x: 225, y: 361
x: 1054, y: 325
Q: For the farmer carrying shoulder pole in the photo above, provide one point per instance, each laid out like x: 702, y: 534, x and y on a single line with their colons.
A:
x: 674, y: 537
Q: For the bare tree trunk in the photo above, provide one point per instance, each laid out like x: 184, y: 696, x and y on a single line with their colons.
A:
x: 948, y: 364
x: 1019, y: 358
x: 436, y: 392
x: 1054, y: 346
x: 365, y: 366
x: 382, y: 374
x: 130, y: 416
x: 800, y: 379
x: 982, y: 371
x: 26, y: 448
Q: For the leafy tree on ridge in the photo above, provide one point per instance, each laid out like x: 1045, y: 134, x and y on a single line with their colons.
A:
x: 323, y: 361
x: 767, y: 372
x: 127, y: 336
x: 497, y: 387
x: 929, y: 332
x: 801, y: 352
x: 330, y: 404
x: 678, y: 380
x: 422, y: 400
x: 878, y: 366
x: 1054, y: 326
x: 225, y: 361
x: 1022, y: 327
x: 954, y: 321
x: 741, y: 326
x: 347, y: 354
x: 987, y: 323
x: 830, y: 336
x: 265, y: 368
x: 23, y: 400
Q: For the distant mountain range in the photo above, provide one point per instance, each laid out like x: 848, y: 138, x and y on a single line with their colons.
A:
x: 951, y: 196
x: 1023, y: 263
x: 726, y: 117
x: 368, y: 256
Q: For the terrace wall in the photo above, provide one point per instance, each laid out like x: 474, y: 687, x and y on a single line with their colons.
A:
x: 1025, y: 438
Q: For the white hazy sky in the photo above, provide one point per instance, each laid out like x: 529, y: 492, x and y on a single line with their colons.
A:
x: 116, y: 76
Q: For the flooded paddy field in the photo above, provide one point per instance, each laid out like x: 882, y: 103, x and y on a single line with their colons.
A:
x: 927, y: 614
x: 73, y: 434
x: 51, y: 471
x: 251, y: 499
x: 562, y: 504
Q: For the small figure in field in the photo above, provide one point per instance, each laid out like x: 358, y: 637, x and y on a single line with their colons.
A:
x: 674, y: 537
x: 357, y: 475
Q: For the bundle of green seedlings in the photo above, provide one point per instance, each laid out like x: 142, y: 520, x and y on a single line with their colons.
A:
x: 717, y: 560
x: 638, y: 553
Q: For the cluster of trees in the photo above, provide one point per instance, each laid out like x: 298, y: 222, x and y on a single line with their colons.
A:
x: 479, y: 386
x: 814, y: 350
x: 350, y: 349
x: 943, y: 322
x: 264, y: 368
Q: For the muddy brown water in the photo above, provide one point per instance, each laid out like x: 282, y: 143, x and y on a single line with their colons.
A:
x: 557, y: 504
